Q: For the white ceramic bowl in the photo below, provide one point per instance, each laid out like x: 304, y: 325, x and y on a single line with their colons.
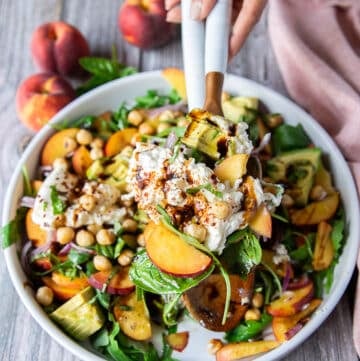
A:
x: 109, y: 97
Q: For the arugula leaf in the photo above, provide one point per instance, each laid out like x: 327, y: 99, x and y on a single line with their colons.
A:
x: 77, y: 258
x: 10, y: 233
x: 337, y: 233
x: 287, y: 137
x: 153, y: 99
x: 248, y: 329
x: 206, y: 186
x: 119, y: 119
x: 243, y: 255
x: 57, y: 204
x: 148, y: 277
x: 28, y: 191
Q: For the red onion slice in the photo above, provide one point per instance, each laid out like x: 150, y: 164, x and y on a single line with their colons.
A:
x: 171, y: 140
x: 180, y: 106
x: 286, y: 279
x: 51, y: 238
x: 264, y: 142
x: 24, y: 257
x: 66, y: 249
x: 27, y: 202
x: 293, y: 331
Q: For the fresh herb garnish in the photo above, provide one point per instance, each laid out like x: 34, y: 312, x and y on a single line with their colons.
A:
x: 206, y: 186
x: 58, y: 205
x: 102, y: 70
x: 28, y: 190
x: 10, y: 233
x: 153, y: 99
x: 248, y: 329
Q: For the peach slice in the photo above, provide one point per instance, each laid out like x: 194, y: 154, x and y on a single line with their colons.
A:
x: 315, y: 212
x: 55, y: 147
x: 178, y: 341
x: 176, y: 78
x: 33, y: 231
x: 172, y: 254
x: 237, y: 350
x: 81, y: 160
x: 232, y: 168
x: 261, y: 223
x: 324, y: 249
x: 64, y: 281
x: 62, y: 293
x: 120, y: 283
x: 133, y: 317
x: 206, y: 301
x: 118, y: 141
x: 36, y: 185
x: 291, y: 302
x: 282, y: 325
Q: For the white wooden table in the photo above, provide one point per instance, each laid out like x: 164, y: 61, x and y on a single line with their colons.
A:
x: 20, y: 336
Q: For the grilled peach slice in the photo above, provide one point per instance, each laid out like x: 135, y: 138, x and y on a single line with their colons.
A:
x: 232, y: 168
x: 33, y: 231
x: 36, y: 185
x: 118, y: 141
x: 206, y: 301
x: 56, y: 147
x: 178, y: 341
x: 315, y: 212
x: 238, y: 350
x: 81, y: 160
x: 76, y: 282
x: 133, y: 317
x: 286, y: 327
x: 61, y: 292
x: 261, y: 223
x: 324, y: 249
x: 172, y: 254
x: 292, y: 301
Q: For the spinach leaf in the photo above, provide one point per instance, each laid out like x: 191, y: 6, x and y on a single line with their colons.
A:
x: 10, y: 233
x: 248, y: 329
x: 77, y: 258
x: 148, y: 277
x: 58, y: 205
x: 287, y: 137
x: 243, y: 255
x: 153, y: 99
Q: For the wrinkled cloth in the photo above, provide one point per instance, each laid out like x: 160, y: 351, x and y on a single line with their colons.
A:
x: 317, y: 47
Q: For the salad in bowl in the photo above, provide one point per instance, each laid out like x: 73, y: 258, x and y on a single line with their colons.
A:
x: 141, y: 226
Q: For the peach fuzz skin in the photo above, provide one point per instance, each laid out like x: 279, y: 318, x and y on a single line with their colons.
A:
x: 143, y: 23
x: 56, y: 47
x: 40, y: 97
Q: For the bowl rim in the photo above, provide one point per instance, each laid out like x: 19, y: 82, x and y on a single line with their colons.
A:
x: 17, y: 276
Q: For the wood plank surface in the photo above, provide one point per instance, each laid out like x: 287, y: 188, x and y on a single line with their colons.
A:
x: 20, y: 336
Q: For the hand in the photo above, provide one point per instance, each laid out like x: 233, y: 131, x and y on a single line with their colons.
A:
x: 245, y: 15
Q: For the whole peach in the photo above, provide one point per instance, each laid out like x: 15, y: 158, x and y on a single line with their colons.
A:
x: 56, y: 47
x: 143, y: 23
x: 40, y: 97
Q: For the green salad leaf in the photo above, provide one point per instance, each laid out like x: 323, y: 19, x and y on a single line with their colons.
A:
x: 148, y: 277
x: 248, y: 329
x: 58, y: 205
x: 10, y: 233
x: 153, y: 99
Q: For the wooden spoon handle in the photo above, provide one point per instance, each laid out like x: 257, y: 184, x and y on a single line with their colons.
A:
x: 213, y: 89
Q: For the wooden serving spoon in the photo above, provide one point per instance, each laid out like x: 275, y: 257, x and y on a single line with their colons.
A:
x: 205, y: 51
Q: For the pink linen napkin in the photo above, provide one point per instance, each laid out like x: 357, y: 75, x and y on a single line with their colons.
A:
x: 317, y: 46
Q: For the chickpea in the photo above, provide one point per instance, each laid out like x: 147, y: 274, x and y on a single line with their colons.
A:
x: 96, y: 153
x: 84, y: 137
x: 127, y: 203
x: 214, y: 345
x: 287, y: 200
x: 59, y: 221
x: 166, y: 115
x: 85, y: 238
x: 146, y: 129
x: 220, y: 209
x: 257, y: 300
x: 94, y: 228
x: 65, y: 235
x: 60, y: 163
x: 135, y: 117
x: 126, y: 257
x: 101, y: 263
x: 162, y: 126
x: 252, y: 314
x: 45, y: 296
x: 129, y: 225
x: 197, y: 231
x: 88, y: 202
x: 97, y: 143
x: 105, y: 237
x: 70, y: 144
x: 318, y: 193
x: 130, y: 239
x: 141, y: 240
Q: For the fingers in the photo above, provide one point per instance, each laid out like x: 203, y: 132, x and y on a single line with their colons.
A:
x: 248, y: 17
x: 203, y: 10
x: 173, y: 11
x: 169, y: 4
